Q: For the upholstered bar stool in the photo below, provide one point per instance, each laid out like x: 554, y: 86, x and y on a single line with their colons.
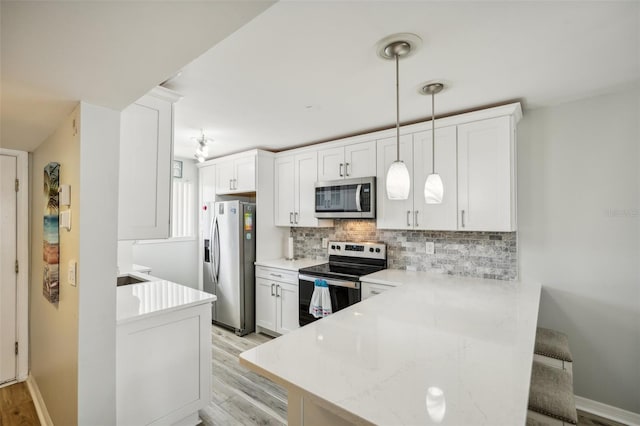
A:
x: 551, y: 400
x: 552, y: 348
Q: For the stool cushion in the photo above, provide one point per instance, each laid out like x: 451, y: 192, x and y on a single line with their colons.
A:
x: 551, y: 393
x: 553, y: 344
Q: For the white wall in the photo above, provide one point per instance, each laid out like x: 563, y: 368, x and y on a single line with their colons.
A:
x: 98, y: 199
x: 579, y: 232
x: 175, y: 261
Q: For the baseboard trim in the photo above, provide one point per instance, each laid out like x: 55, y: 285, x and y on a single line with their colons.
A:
x: 38, y: 402
x: 607, y: 411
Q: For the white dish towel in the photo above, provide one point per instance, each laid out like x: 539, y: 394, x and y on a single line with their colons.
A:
x: 320, y: 306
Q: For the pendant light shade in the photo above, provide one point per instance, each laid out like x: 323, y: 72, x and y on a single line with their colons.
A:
x: 433, y: 187
x: 398, y: 181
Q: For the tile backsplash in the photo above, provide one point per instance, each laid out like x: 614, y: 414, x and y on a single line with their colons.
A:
x: 473, y: 254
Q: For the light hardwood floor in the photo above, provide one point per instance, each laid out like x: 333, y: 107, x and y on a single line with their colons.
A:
x: 240, y: 396
x: 16, y: 406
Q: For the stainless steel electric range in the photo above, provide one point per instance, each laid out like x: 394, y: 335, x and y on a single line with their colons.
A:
x: 347, y: 263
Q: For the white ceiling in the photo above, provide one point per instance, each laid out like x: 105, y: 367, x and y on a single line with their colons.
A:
x: 107, y: 53
x: 307, y: 71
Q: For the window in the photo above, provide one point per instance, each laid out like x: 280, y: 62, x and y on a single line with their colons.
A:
x: 183, y: 214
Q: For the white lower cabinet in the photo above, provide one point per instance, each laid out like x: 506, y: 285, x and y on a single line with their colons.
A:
x: 276, y: 300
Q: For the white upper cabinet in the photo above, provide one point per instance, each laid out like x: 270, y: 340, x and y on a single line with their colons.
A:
x: 236, y: 175
x: 486, y: 175
x: 394, y: 214
x: 475, y: 157
x: 349, y: 161
x: 435, y: 216
x: 295, y: 178
x: 146, y: 153
x: 284, y: 191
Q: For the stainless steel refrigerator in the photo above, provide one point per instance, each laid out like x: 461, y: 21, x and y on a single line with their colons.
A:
x: 228, y: 264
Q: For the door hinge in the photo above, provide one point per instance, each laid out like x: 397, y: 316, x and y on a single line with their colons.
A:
x: 17, y: 266
x: 16, y: 348
x: 17, y: 185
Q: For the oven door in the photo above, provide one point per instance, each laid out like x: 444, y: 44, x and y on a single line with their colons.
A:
x: 343, y: 294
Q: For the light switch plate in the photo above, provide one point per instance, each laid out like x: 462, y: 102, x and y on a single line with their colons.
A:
x: 72, y: 272
x: 65, y: 220
x: 430, y: 247
x: 64, y: 195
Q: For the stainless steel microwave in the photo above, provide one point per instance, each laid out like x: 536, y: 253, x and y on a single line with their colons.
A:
x: 346, y: 199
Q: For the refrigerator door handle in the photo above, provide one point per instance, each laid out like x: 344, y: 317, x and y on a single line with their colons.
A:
x: 216, y: 253
x: 212, y: 249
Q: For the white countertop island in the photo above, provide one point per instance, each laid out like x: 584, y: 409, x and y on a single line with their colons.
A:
x: 435, y: 350
x: 163, y: 353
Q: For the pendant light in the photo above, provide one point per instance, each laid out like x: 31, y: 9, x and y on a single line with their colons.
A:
x: 433, y: 187
x: 202, y: 151
x: 395, y: 47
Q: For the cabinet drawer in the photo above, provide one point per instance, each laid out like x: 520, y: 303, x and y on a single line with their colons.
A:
x: 276, y: 274
x: 371, y: 289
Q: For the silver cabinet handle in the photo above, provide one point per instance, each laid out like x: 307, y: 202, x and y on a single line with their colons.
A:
x: 276, y: 275
x: 462, y: 219
x: 346, y: 169
x: 408, y: 217
x: 272, y: 293
x: 341, y: 165
x: 291, y: 218
x: 295, y: 217
x: 415, y: 218
x: 230, y: 184
x: 235, y: 184
x: 278, y: 294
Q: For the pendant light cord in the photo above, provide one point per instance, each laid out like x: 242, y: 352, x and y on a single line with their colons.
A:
x: 397, y: 107
x: 433, y: 133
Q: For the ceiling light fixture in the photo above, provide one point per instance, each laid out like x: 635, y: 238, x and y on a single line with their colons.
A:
x: 433, y: 187
x: 202, y: 151
x: 395, y: 47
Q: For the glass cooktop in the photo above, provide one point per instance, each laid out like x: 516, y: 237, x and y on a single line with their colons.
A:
x: 345, y: 271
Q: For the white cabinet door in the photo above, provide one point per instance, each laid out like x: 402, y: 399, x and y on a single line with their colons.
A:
x: 288, y: 307
x: 284, y: 191
x: 244, y: 170
x: 265, y: 303
x: 331, y: 164
x: 207, y: 179
x: 146, y: 141
x: 486, y: 176
x: 306, y: 167
x: 224, y: 177
x: 435, y: 216
x: 393, y: 214
x: 360, y: 159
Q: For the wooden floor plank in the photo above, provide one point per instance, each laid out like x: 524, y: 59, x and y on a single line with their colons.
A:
x: 16, y: 406
x: 240, y: 396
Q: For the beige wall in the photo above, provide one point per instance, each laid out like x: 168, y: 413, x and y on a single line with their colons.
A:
x: 54, y: 327
x: 578, y: 227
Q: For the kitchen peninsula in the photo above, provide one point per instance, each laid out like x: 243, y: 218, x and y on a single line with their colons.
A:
x: 436, y: 349
x: 163, y: 352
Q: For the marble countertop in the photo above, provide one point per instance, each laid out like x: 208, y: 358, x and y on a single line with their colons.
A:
x: 437, y: 349
x: 289, y: 265
x: 155, y: 297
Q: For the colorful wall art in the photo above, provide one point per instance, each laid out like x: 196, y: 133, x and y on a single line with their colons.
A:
x: 51, y: 234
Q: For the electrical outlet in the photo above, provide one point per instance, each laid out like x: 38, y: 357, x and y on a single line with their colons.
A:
x: 430, y: 247
x: 325, y: 242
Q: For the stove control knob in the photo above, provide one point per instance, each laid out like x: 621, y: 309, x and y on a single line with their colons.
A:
x: 377, y: 250
x: 338, y: 247
x: 371, y: 249
x: 333, y: 247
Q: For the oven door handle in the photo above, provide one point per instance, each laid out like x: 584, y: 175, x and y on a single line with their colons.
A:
x: 336, y: 283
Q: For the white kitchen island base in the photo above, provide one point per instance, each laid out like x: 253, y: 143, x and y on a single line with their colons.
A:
x: 163, y: 354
